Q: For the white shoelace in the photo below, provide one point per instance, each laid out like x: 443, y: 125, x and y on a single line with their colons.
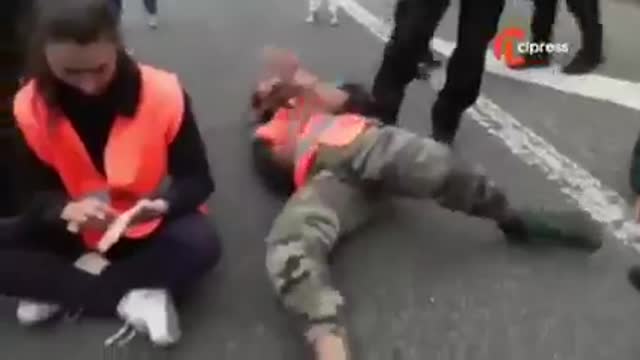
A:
x: 122, y: 337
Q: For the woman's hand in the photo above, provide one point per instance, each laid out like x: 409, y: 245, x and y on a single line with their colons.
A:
x: 144, y: 210
x: 149, y: 210
x: 88, y: 213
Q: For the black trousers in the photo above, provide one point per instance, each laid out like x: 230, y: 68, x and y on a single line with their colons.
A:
x: 477, y: 25
x: 586, y: 12
x: 38, y: 264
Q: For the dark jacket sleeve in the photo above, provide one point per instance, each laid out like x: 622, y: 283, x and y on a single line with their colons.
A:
x: 191, y: 179
x: 43, y: 196
x: 634, y: 172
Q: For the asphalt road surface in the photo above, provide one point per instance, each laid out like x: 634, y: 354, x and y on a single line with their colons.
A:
x: 423, y: 283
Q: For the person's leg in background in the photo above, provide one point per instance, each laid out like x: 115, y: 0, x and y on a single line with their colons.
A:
x: 298, y: 245
x: 334, y: 6
x: 477, y: 25
x: 587, y: 14
x: 151, y: 6
x: 542, y: 21
x: 314, y: 6
x: 415, y: 22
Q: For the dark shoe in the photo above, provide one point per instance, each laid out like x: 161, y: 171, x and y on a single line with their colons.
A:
x: 573, y: 229
x: 583, y: 63
x: 634, y: 276
x: 443, y: 137
x: 533, y: 61
x: 590, y: 56
x: 444, y: 123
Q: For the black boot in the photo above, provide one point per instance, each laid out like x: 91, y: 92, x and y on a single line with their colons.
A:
x: 590, y: 56
x: 533, y: 61
x: 444, y: 122
x: 569, y: 228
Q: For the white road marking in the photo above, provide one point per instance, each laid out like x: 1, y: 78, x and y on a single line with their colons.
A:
x: 601, y: 202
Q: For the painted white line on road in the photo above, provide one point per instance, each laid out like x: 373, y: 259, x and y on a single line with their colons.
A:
x: 602, y: 203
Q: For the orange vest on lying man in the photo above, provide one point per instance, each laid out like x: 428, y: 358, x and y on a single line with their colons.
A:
x: 320, y: 129
x: 135, y: 158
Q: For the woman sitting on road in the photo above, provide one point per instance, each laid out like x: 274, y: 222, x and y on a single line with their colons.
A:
x: 118, y: 169
x: 341, y: 164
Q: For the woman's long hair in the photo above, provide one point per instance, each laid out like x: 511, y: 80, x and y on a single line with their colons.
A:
x: 79, y: 21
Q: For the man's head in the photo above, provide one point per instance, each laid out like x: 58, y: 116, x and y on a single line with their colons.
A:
x: 76, y: 42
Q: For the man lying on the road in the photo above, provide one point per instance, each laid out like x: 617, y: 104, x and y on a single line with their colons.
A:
x: 343, y: 163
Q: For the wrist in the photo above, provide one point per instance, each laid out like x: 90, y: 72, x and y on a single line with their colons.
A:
x: 162, y: 205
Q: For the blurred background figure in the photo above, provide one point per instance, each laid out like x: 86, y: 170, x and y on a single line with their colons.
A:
x: 314, y: 7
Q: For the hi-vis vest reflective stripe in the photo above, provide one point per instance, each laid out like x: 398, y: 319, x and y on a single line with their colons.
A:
x: 324, y: 129
x: 338, y: 130
x: 135, y: 157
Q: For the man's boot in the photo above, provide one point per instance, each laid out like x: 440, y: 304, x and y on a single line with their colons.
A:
x: 467, y: 189
x: 590, y: 56
x: 572, y: 229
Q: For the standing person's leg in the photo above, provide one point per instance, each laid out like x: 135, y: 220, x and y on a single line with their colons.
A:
x: 314, y: 6
x: 334, y: 6
x: 477, y: 25
x: 542, y: 20
x: 298, y: 245
x: 415, y: 23
x: 151, y: 6
x: 587, y: 13
x: 408, y: 165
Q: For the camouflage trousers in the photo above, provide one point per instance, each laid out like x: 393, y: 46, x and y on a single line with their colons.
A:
x: 348, y: 185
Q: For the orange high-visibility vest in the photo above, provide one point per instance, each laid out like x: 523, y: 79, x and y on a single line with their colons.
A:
x: 320, y: 129
x: 324, y: 129
x: 135, y: 157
